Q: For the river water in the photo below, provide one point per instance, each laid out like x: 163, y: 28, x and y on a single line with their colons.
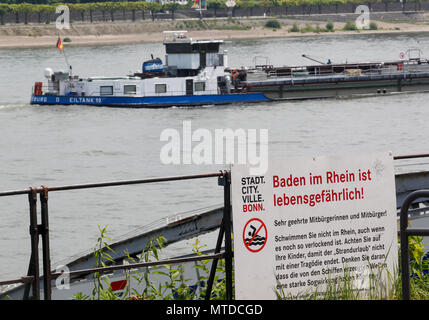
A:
x: 56, y: 145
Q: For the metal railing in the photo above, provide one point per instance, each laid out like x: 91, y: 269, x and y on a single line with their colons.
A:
x: 33, y: 277
x: 405, y: 232
x: 224, y: 179
x: 121, y: 93
x: 330, y: 70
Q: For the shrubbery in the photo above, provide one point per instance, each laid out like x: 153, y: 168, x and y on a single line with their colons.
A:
x: 350, y: 26
x: 382, y: 284
x: 294, y: 28
x: 373, y: 26
x: 330, y: 26
x: 273, y: 23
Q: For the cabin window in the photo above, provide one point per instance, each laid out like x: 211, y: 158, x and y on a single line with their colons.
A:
x: 106, y: 90
x: 130, y: 89
x: 200, y: 86
x: 161, y: 88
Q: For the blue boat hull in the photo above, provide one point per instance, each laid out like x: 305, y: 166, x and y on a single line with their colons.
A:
x: 153, y: 102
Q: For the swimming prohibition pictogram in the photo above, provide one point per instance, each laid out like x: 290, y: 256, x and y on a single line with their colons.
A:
x: 255, y: 235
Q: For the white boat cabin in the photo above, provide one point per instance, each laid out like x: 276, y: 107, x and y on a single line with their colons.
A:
x: 192, y: 67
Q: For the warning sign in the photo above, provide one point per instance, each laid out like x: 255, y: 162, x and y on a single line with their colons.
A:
x: 310, y: 220
x: 255, y: 235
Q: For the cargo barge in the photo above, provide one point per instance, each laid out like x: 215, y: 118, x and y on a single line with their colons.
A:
x: 196, y: 72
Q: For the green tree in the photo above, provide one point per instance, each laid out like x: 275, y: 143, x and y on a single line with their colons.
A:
x: 250, y: 5
x: 133, y: 7
x: 26, y: 9
x: 154, y: 7
x: 172, y: 7
x: 15, y: 9
x: 336, y: 3
x: 238, y: 4
x: 216, y: 5
x: 4, y: 9
x: 268, y: 4
x: 101, y: 6
x: 287, y: 4
x: 142, y: 6
x: 128, y: 6
x: 112, y: 7
x: 91, y: 7
x: 79, y: 7
x: 417, y: 5
x: 320, y: 4
x: 48, y: 9
x: 40, y: 9
x: 304, y: 5
x: 23, y: 8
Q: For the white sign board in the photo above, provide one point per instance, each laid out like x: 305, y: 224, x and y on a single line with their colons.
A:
x: 307, y: 220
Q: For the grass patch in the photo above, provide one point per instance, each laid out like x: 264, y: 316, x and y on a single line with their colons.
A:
x: 309, y: 28
x: 350, y: 26
x: 376, y: 284
x: 318, y: 29
x: 373, y: 26
x: 294, y: 28
x: 229, y: 24
x: 226, y: 27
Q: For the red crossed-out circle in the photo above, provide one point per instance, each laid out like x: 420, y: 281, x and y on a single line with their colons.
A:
x: 260, y: 225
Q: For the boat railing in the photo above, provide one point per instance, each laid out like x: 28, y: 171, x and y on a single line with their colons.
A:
x: 45, y: 89
x: 179, y: 93
x: 385, y: 70
x: 33, y: 279
x: 175, y: 35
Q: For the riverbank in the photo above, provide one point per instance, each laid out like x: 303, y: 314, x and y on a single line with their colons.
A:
x: 120, y: 33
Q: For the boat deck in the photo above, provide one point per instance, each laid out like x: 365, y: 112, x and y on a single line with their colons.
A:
x: 337, y: 78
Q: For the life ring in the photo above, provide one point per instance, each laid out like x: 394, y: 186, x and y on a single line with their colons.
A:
x: 234, y: 74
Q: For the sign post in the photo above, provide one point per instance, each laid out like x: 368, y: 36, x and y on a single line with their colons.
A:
x: 230, y: 4
x: 312, y: 220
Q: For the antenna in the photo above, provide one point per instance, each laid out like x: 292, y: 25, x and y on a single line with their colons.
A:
x: 305, y: 56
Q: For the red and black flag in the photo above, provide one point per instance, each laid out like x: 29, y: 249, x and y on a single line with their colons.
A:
x: 59, y: 44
